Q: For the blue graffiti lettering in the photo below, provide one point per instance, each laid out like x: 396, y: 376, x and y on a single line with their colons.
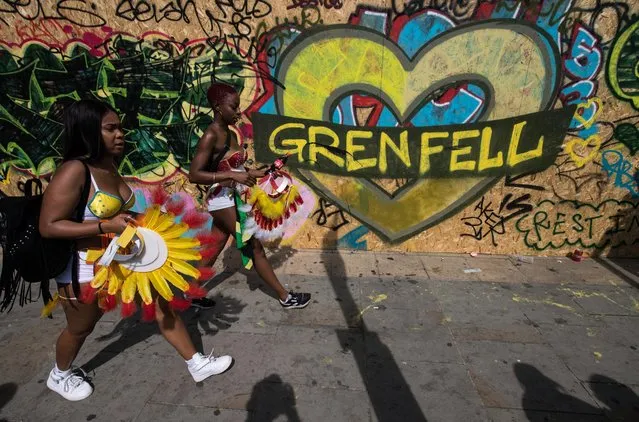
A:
x: 584, y: 58
x: 614, y: 164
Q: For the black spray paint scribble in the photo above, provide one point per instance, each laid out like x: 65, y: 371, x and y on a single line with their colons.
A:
x: 460, y: 9
x: 327, y: 210
x: 82, y: 13
x: 489, y: 222
x: 235, y: 27
x: 327, y: 4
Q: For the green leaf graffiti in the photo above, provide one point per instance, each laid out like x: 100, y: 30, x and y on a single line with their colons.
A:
x: 158, y: 88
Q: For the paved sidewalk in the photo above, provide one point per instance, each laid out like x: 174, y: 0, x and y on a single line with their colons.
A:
x: 388, y: 337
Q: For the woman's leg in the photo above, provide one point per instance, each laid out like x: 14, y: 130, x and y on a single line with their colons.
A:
x: 221, y: 238
x: 173, y: 329
x: 224, y: 220
x: 81, y: 320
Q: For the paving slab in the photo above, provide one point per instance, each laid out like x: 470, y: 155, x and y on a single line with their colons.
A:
x: 604, y: 299
x: 595, y: 350
x: 449, y: 267
x: 433, y: 344
x: 543, y: 303
x: 352, y: 264
x: 480, y: 302
x: 153, y: 412
x: 625, y: 327
x: 483, y: 311
x: 544, y: 270
x: 400, y: 293
x: 375, y: 317
x: 396, y: 266
x: 273, y: 399
x: 497, y: 269
x: 323, y: 358
x: 443, y: 392
x: 519, y: 415
x: 587, y: 272
x: 307, y: 264
x: 524, y: 376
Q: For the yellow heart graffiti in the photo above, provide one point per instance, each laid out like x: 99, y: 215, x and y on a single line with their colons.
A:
x: 586, y: 106
x: 594, y: 142
x: 514, y: 62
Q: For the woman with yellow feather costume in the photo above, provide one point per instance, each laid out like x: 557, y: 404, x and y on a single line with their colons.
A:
x: 143, y: 258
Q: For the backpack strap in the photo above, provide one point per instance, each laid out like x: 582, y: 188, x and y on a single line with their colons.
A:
x: 78, y: 218
x: 31, y: 187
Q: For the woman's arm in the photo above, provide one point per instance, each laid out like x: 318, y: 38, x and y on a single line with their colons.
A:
x: 61, y: 198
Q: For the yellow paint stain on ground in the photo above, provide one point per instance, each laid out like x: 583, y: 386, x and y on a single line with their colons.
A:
x: 598, y: 355
x: 581, y: 294
x: 591, y: 332
x: 520, y: 299
x: 327, y: 360
x: 375, y: 300
x: 378, y: 298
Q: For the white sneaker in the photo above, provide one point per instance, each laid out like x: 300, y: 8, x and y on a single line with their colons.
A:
x: 73, y: 387
x: 202, y: 367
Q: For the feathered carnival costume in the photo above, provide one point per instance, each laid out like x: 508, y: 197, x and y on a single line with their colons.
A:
x: 267, y: 209
x: 149, y: 258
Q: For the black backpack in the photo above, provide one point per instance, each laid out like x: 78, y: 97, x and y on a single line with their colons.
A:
x: 27, y: 256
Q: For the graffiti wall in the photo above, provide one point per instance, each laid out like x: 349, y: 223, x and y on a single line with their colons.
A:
x: 425, y: 125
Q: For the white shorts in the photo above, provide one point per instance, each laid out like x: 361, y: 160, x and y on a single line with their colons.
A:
x: 223, y: 198
x: 85, y: 271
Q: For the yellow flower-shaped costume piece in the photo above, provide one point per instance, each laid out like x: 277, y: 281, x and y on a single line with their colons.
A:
x: 149, y: 259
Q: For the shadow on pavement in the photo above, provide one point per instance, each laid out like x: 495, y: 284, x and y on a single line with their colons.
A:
x: 130, y: 331
x: 389, y: 393
x: 270, y: 399
x: 231, y: 264
x: 542, y: 393
x: 622, y: 404
x: 7, y: 391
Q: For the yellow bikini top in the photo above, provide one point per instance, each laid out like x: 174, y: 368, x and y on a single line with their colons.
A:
x: 106, y: 205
